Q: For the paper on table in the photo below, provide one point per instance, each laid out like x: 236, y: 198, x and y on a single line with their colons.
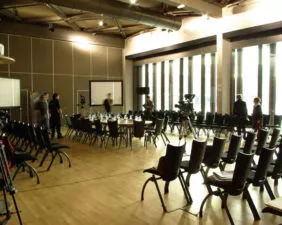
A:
x: 224, y: 175
x: 275, y: 204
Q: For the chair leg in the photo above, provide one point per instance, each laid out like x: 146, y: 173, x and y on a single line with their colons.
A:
x: 159, y: 193
x: 67, y: 156
x: 203, y: 203
x: 53, y: 157
x: 166, y: 188
x: 44, y: 158
x: 185, y: 189
x: 251, y: 204
x: 16, y: 172
x: 227, y: 210
x: 144, y: 186
x: 107, y: 142
x: 165, y: 137
x: 34, y: 171
x: 268, y: 189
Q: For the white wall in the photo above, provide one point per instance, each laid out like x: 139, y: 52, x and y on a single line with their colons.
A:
x: 248, y: 14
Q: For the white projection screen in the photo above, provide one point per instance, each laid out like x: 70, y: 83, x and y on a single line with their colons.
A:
x: 98, y: 91
x: 10, y: 92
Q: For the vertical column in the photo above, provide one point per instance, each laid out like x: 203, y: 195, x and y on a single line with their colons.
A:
x: 147, y: 75
x: 272, y: 83
x: 233, y: 79
x: 260, y: 71
x: 239, y: 69
x: 213, y: 84
x: 170, y: 85
x: 203, y: 89
x: 154, y: 83
x: 223, y: 74
x: 181, y: 80
x: 162, y: 84
x: 190, y: 75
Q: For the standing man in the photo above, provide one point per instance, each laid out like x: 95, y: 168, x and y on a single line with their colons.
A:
x: 148, y: 107
x: 41, y: 107
x: 46, y: 98
x: 108, y: 102
x: 56, y: 115
x: 257, y: 115
x: 241, y: 113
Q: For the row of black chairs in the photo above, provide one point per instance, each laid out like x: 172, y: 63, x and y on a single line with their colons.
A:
x: 204, y: 157
x: 25, y: 142
x: 83, y: 130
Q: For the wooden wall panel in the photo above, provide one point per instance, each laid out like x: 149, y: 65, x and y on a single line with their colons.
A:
x: 43, y: 83
x: 99, y: 61
x: 42, y: 56
x: 62, y: 57
x: 20, y: 50
x: 81, y: 61
x: 115, y: 62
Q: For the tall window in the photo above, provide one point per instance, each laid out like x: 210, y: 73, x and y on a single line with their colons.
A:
x: 166, y: 86
x: 197, y: 82
x: 158, y: 103
x: 185, y: 75
x: 208, y: 82
x: 250, y: 75
x: 265, y: 78
x: 143, y: 81
x: 150, y: 81
x: 278, y: 109
x: 175, y: 82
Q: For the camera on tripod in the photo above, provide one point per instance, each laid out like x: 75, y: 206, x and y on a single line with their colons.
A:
x: 186, y: 107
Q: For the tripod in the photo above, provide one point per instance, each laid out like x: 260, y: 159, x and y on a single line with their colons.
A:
x: 6, y: 184
x: 186, y: 128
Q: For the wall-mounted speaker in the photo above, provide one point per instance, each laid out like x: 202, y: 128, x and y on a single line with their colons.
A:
x: 142, y: 90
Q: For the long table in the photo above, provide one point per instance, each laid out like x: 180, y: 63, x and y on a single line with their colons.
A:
x: 128, y: 125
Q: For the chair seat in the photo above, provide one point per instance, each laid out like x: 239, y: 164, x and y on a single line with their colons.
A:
x: 184, y: 165
x: 152, y: 170
x: 59, y: 146
x: 23, y: 156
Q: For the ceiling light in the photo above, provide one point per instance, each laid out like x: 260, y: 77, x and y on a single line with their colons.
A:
x: 101, y: 23
x: 132, y: 1
x: 181, y: 6
x: 205, y: 16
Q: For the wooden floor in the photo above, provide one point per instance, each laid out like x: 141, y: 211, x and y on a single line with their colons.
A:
x: 104, y: 186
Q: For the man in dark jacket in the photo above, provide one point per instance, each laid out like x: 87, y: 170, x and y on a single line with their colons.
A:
x: 241, y: 113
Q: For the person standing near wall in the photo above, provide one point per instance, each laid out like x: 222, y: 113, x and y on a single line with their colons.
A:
x: 241, y: 113
x: 56, y: 115
x: 257, y: 115
x: 149, y: 106
x: 108, y: 102
x: 42, y: 109
x: 46, y: 98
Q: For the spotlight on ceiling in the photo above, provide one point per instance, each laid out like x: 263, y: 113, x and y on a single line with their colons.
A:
x: 181, y: 6
x: 133, y: 1
x: 51, y: 27
x: 101, y: 23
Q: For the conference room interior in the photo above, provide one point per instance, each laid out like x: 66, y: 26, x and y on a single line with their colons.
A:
x: 171, y: 50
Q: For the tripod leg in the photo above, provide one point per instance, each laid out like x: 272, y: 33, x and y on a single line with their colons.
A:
x: 17, y: 210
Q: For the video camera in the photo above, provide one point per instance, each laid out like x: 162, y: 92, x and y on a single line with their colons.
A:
x: 186, y: 107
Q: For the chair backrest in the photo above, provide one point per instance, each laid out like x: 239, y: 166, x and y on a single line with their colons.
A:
x: 216, y: 152
x: 113, y: 128
x: 98, y: 127
x: 249, y: 142
x: 138, y: 128
x: 263, y: 134
x: 159, y: 125
x: 277, y: 170
x: 241, y: 171
x: 39, y: 137
x: 46, y: 139
x: 234, y: 147
x: 277, y: 120
x: 263, y: 164
x: 197, y: 156
x: 165, y: 123
x: 172, y: 162
x: 209, y: 118
x: 274, y: 137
